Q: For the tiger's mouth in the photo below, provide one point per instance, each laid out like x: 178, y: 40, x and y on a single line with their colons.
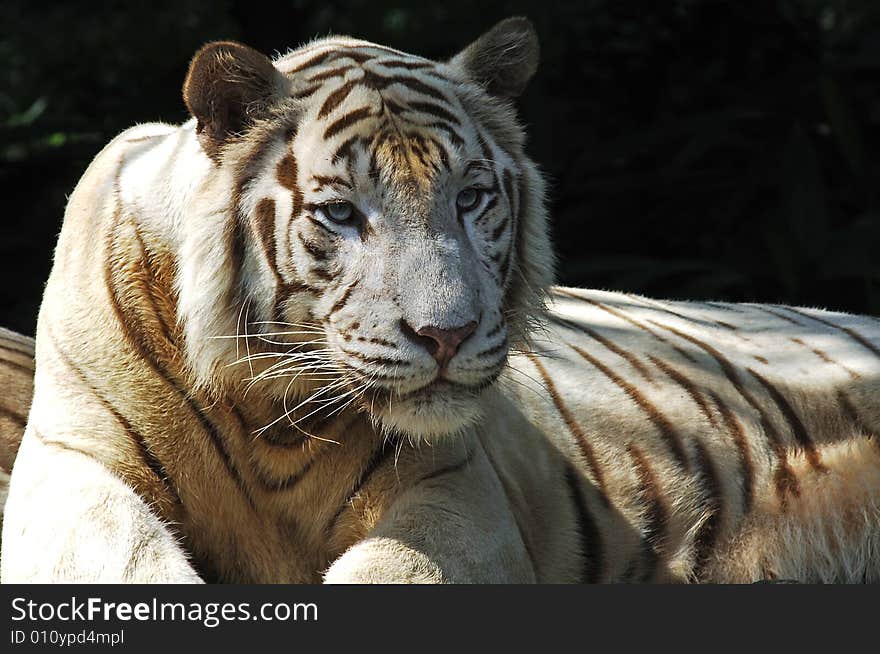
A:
x: 439, y: 408
x: 406, y: 396
x: 438, y: 387
x: 440, y: 384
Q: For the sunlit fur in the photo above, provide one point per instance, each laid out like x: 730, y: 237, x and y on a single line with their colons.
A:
x: 231, y: 386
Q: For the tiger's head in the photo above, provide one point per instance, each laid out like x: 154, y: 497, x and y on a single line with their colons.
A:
x: 387, y: 242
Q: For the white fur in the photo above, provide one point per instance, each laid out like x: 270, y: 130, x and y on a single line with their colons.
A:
x: 479, y: 488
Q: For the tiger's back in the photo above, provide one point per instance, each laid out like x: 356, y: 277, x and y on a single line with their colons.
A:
x: 712, y: 441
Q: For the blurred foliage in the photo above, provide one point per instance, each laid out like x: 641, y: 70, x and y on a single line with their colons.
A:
x: 695, y: 148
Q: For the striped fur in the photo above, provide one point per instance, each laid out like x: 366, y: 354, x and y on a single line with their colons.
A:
x: 723, y: 442
x: 16, y: 391
x: 232, y: 385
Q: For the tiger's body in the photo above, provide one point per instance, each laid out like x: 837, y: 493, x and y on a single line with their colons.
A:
x: 723, y: 442
x: 275, y: 346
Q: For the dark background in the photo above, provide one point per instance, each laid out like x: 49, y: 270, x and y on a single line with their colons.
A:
x: 696, y: 148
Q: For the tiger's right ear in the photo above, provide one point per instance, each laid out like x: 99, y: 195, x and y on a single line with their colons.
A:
x: 228, y: 86
x: 504, y: 59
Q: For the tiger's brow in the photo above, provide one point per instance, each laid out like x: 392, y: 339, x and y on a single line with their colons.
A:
x: 478, y: 164
x: 331, y: 180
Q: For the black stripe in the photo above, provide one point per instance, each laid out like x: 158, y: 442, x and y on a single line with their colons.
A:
x: 491, y: 204
x: 507, y: 183
x: 441, y: 152
x: 336, y: 98
x: 623, y: 316
x: 574, y: 427
x: 348, y: 120
x: 655, y: 416
x: 355, y: 53
x: 314, y: 250
x: 435, y: 110
x: 29, y: 370
x: 496, y: 329
x: 852, y: 414
x: 655, y: 517
x: 797, y: 426
x: 724, y: 306
x: 821, y: 354
x: 305, y: 92
x: 517, y: 243
x: 312, y: 62
x: 151, y: 283
x: 379, y: 456
x: 785, y: 480
x: 454, y: 137
x: 140, y: 443
x: 484, y: 148
x: 747, y: 469
x: 288, y: 482
x: 343, y: 299
x: 344, y: 150
x: 707, y: 536
x: 15, y: 346
x: 21, y: 421
x: 858, y: 338
x: 129, y: 326
x: 245, y: 171
x: 776, y: 314
x: 407, y: 65
x: 657, y: 306
x: 321, y: 273
x: 414, y: 85
x: 687, y: 385
x: 383, y: 361
x: 499, y: 229
x: 330, y: 73
x: 606, y: 343
x: 588, y: 531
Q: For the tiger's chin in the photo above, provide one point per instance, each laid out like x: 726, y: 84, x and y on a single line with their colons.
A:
x: 431, y: 413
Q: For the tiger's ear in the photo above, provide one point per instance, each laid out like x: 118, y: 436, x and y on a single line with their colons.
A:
x: 503, y: 59
x: 228, y: 86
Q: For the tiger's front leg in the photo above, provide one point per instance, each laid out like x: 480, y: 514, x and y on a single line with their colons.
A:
x: 69, y: 519
x: 453, y: 526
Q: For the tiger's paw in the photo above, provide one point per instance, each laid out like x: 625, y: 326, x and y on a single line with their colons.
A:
x: 383, y: 561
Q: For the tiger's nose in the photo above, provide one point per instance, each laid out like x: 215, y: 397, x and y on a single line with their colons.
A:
x: 443, y: 344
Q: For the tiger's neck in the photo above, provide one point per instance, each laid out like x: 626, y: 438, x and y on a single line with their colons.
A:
x: 261, y: 454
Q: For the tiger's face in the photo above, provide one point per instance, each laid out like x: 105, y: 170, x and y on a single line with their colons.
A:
x: 382, y: 204
x: 398, y: 239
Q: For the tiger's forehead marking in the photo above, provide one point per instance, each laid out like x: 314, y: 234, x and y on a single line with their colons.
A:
x: 324, y: 50
x: 399, y: 110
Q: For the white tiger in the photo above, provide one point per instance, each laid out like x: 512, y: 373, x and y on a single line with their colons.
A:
x: 303, y: 337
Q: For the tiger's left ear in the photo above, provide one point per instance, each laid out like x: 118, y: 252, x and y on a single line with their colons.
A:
x: 504, y: 59
x: 228, y: 86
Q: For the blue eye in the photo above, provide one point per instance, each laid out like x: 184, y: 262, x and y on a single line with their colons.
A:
x: 468, y: 199
x: 339, y: 212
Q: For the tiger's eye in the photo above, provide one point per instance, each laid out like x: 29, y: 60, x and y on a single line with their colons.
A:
x: 467, y: 199
x: 339, y: 212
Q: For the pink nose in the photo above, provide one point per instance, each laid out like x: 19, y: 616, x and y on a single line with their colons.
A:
x: 443, y: 344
